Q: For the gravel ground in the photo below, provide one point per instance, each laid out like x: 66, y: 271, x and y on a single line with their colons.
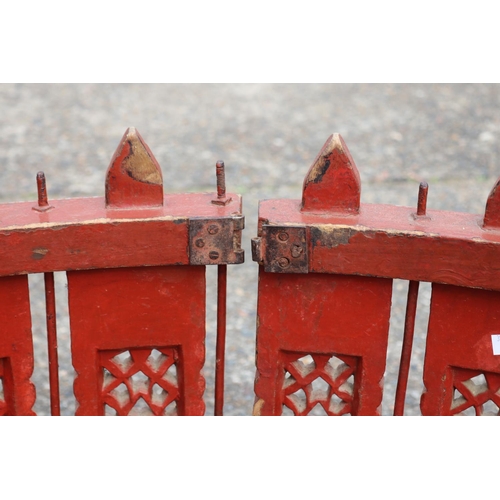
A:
x: 267, y: 135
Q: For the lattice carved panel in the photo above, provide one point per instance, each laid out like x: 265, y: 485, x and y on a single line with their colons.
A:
x: 140, y: 381
x: 475, y: 393
x: 318, y: 384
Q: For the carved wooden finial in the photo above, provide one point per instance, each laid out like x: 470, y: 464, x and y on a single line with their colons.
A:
x: 492, y: 210
x: 134, y: 176
x: 332, y: 183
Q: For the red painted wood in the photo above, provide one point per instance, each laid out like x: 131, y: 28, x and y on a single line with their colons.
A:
x: 137, y: 306
x: 134, y: 177
x: 342, y: 298
x: 132, y: 312
x: 388, y: 241
x: 492, y: 210
x: 81, y: 233
x: 342, y: 322
x: 461, y: 373
x: 332, y: 183
x: 17, y: 393
x: 138, y: 333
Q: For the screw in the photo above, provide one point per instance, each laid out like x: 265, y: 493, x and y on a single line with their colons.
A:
x: 283, y: 262
x: 283, y: 236
x: 213, y: 229
x: 199, y: 243
x: 214, y: 255
x: 297, y: 251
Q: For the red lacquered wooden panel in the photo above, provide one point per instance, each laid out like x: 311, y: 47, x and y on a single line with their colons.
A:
x: 461, y: 371
x: 138, y: 340
x: 321, y: 343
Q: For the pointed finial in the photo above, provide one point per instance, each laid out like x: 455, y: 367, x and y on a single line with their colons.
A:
x: 332, y: 183
x: 492, y: 210
x: 134, y: 177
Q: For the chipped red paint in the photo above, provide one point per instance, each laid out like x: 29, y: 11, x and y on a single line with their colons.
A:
x: 321, y: 338
x: 134, y: 177
x: 459, y: 349
x: 332, y: 183
x: 327, y: 264
x: 136, y: 289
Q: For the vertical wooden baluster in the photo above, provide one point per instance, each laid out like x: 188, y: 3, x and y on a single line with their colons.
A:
x: 50, y: 308
x: 411, y: 311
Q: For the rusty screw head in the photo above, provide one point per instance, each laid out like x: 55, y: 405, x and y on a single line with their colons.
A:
x: 213, y: 255
x: 199, y: 243
x: 283, y: 236
x: 283, y: 262
x: 213, y: 229
x: 297, y: 251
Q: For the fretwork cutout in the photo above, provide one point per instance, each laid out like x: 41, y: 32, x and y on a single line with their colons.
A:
x: 318, y: 384
x: 140, y: 381
x: 3, y: 404
x: 475, y: 393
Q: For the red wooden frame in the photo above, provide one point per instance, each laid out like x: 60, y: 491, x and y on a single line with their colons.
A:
x: 307, y: 248
x: 135, y: 262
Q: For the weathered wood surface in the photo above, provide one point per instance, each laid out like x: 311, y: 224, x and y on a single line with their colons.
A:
x: 81, y: 233
x: 388, y: 241
x: 327, y: 264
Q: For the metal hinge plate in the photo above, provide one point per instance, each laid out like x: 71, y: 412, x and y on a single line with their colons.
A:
x: 282, y: 249
x: 216, y: 241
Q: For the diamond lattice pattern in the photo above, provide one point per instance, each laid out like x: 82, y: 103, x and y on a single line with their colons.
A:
x: 140, y: 381
x: 3, y: 404
x: 475, y: 393
x: 318, y: 384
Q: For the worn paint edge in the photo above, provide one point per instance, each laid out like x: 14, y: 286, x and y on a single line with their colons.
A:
x: 101, y: 221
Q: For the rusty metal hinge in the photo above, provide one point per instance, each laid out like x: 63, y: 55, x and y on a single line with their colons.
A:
x: 216, y: 241
x: 282, y: 249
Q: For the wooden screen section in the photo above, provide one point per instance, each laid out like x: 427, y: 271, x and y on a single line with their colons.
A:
x: 322, y: 343
x: 138, y: 340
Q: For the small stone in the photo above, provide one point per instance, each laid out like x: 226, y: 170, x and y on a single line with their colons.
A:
x: 486, y: 136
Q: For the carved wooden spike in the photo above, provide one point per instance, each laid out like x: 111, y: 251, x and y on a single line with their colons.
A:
x: 134, y: 176
x: 492, y: 211
x: 332, y: 183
